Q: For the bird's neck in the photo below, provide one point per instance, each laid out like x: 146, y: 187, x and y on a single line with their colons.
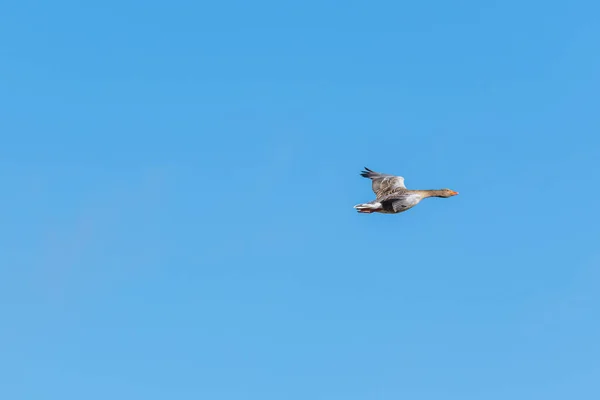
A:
x: 430, y: 193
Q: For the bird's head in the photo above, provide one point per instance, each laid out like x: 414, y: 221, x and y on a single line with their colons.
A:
x: 448, y: 193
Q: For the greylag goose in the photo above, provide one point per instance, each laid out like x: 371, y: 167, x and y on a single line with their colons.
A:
x: 392, y: 197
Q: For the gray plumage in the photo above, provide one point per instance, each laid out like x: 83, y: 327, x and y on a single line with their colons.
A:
x: 383, y: 183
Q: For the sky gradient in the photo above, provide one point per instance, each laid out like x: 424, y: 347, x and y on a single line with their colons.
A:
x: 178, y: 183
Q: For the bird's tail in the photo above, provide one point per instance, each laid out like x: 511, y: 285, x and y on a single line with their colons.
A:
x: 368, y: 208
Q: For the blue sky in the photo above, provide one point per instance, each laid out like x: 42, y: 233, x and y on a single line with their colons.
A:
x: 178, y: 183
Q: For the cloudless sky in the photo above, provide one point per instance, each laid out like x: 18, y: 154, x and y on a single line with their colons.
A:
x: 178, y: 181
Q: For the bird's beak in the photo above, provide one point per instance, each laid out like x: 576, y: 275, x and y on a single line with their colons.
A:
x: 453, y: 193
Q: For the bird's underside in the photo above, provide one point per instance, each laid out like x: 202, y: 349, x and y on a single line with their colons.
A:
x: 394, y: 203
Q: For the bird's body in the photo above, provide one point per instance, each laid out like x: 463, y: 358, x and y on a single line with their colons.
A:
x: 392, y: 196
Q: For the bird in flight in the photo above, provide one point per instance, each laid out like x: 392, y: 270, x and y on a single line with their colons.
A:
x: 392, y: 197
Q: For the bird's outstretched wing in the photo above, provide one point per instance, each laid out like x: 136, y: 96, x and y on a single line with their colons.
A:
x: 384, y: 184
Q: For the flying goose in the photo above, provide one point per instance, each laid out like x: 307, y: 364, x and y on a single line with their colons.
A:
x: 392, y: 197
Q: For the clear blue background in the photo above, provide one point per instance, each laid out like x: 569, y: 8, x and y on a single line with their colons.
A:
x: 178, y: 182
